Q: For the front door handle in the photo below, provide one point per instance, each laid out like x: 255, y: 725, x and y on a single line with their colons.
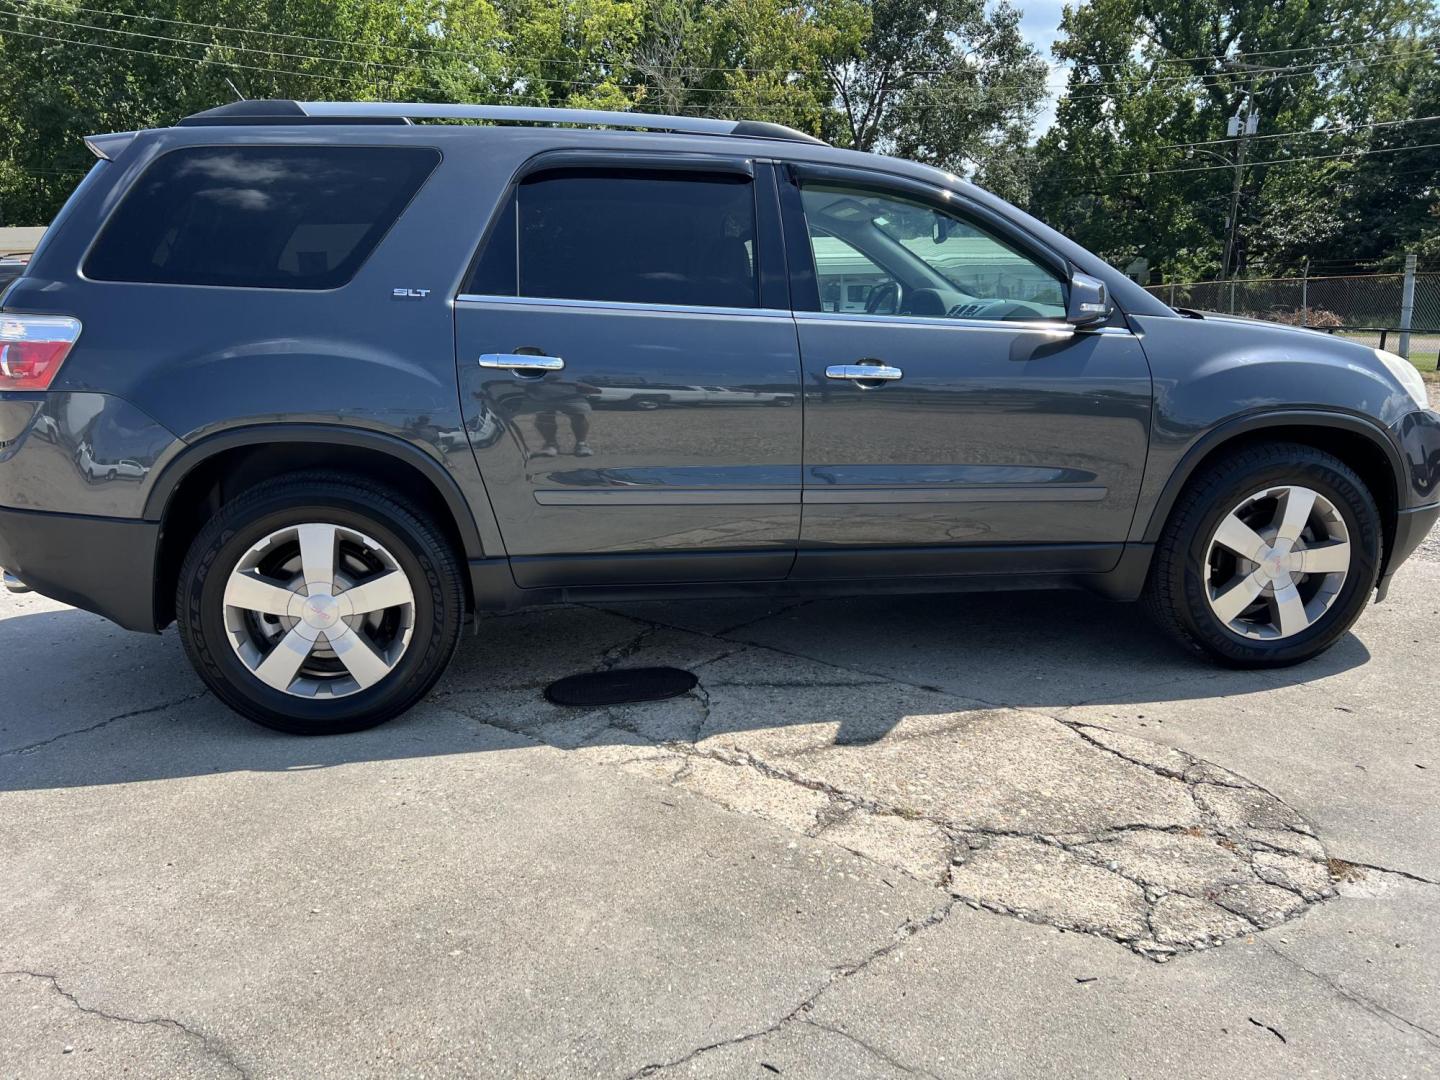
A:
x: 864, y: 372
x: 521, y: 361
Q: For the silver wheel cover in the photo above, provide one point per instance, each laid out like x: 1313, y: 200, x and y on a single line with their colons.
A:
x: 319, y: 611
x: 1277, y: 562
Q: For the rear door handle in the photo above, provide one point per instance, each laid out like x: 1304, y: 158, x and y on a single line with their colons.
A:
x: 864, y: 372
x: 521, y: 361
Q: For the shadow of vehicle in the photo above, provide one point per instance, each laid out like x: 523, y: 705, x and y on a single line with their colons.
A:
x: 133, y: 711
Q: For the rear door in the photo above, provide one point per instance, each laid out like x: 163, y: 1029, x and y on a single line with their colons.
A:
x: 630, y: 374
x: 954, y: 422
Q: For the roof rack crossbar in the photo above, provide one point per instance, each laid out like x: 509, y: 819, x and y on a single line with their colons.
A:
x: 360, y: 112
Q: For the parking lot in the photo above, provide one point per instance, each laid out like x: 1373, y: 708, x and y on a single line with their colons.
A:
x: 929, y: 836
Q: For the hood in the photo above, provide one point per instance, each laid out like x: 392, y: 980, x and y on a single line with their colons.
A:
x: 1296, y: 365
x: 1220, y: 316
x: 1277, y: 334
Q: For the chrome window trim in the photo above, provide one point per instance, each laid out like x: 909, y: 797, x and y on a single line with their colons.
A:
x: 1058, y: 328
x: 620, y: 306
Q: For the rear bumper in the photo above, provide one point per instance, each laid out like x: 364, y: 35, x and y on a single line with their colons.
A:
x: 1411, y: 527
x: 104, y: 565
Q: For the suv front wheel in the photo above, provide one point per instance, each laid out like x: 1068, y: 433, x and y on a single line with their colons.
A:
x: 316, y: 604
x: 1268, y: 558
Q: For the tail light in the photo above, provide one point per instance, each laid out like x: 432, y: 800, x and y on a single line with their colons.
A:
x: 32, y: 348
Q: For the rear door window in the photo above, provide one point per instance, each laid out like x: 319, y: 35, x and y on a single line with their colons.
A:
x: 266, y: 217
x: 668, y: 238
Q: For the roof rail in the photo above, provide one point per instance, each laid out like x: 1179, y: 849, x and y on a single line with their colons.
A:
x: 387, y: 112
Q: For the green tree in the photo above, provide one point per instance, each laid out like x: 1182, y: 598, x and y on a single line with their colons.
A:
x: 1138, y: 163
x: 952, y: 83
x: 69, y: 69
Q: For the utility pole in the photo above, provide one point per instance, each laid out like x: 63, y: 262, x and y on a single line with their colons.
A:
x: 1242, y: 126
x: 1407, y: 304
x: 1305, y: 294
x: 1240, y: 129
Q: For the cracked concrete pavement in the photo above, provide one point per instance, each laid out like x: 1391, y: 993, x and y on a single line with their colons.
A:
x: 924, y: 836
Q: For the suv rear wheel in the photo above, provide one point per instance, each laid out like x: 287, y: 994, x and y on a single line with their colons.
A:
x: 316, y: 604
x: 1268, y: 558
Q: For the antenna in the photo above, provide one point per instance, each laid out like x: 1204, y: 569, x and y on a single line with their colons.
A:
x: 234, y: 89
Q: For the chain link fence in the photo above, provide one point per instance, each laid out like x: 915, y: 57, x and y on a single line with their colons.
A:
x: 1365, y: 308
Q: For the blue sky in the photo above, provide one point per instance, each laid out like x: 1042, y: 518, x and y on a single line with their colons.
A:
x: 1040, y: 23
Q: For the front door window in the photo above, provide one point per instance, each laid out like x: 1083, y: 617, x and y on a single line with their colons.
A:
x: 882, y: 254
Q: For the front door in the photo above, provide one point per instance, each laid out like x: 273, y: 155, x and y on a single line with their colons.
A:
x: 954, y: 422
x: 629, y: 373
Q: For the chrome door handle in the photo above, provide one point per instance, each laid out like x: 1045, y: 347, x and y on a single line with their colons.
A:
x: 521, y: 361
x: 864, y: 372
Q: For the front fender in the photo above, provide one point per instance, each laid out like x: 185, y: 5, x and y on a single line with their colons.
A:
x: 1219, y: 378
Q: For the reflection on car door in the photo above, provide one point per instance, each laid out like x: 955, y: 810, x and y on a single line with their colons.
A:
x: 623, y: 344
x: 963, y: 427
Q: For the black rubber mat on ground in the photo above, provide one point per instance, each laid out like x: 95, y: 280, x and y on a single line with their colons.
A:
x: 620, y: 687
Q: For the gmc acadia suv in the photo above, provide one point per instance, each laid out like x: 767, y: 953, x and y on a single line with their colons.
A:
x: 317, y: 382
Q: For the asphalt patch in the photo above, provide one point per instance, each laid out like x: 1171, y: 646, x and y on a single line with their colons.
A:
x: 621, y: 687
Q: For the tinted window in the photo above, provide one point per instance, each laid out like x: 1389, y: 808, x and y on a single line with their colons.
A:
x: 917, y: 260
x: 271, y: 217
x: 643, y: 238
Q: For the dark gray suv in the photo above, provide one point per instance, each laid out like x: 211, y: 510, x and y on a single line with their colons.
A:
x: 317, y: 382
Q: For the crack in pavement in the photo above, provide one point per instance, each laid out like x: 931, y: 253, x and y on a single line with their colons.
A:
x: 894, y: 1063
x: 1390, y: 1016
x: 905, y: 932
x: 1083, y: 730
x: 210, y: 1044
x: 1387, y: 870
x: 1298, y: 870
x: 31, y: 747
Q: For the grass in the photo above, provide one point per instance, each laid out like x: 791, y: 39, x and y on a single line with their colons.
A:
x: 1423, y: 353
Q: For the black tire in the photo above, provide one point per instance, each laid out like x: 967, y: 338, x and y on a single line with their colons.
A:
x: 1175, y: 592
x: 417, y: 545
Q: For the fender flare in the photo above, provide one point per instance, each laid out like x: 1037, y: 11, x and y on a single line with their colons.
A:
x: 1253, y: 422
x: 157, y: 503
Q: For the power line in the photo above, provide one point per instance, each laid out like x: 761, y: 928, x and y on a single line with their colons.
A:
x: 22, y: 14
x: 929, y: 97
x: 1278, y: 75
x: 182, y: 59
x: 499, y: 52
x: 941, y: 98
x: 1342, y: 128
x: 1279, y: 161
x: 681, y: 69
x: 1244, y: 54
x: 366, y: 64
x: 938, y: 100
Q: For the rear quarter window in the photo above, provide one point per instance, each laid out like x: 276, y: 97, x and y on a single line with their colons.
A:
x: 265, y: 217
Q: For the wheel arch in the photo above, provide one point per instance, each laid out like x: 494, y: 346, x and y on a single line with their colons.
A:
x: 221, y: 466
x: 1358, y: 442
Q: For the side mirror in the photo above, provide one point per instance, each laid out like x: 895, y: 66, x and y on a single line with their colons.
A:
x: 1089, y: 301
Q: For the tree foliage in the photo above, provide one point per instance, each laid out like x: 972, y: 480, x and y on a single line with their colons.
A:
x: 1135, y: 165
x: 953, y: 84
x: 1138, y: 163
x: 946, y: 81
